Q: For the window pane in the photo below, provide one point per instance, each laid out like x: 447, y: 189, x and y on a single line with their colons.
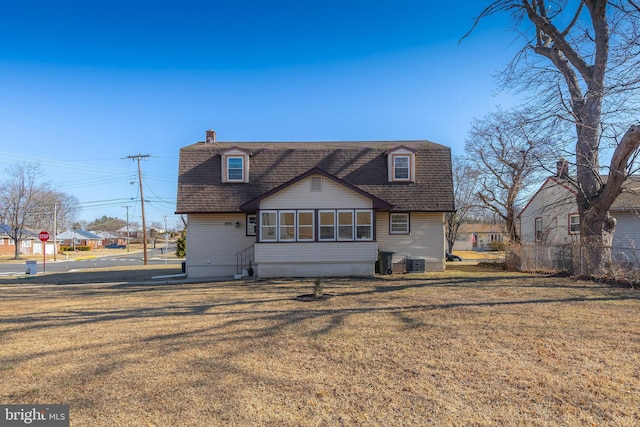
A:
x: 234, y: 168
x: 327, y: 226
x: 268, y: 226
x: 345, y: 225
x: 399, y: 223
x: 401, y: 167
x: 251, y: 225
x: 364, y: 226
x: 287, y: 226
x: 305, y: 225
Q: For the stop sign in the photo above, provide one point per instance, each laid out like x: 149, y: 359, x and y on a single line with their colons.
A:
x: 43, y: 236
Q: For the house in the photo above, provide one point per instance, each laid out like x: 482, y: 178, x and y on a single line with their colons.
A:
x: 551, y: 216
x: 110, y: 238
x: 80, y: 238
x: 479, y: 236
x: 313, y: 208
x: 29, y: 245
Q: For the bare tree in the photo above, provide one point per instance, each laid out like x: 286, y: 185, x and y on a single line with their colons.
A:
x: 465, y: 194
x: 19, y: 197
x: 506, y: 151
x: 584, y: 70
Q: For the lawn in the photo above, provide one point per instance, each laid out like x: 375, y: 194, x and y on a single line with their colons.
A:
x: 458, y: 348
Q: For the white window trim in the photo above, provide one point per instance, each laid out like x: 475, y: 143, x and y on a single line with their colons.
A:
x: 228, y: 169
x: 408, y: 223
x: 409, y: 172
x: 370, y: 225
x: 571, y: 216
x: 282, y: 226
x: 263, y: 237
x: 313, y: 226
x: 537, y: 221
x: 255, y: 225
x: 351, y: 214
x: 332, y: 212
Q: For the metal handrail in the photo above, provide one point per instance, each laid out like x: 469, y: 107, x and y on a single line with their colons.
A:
x: 244, y: 258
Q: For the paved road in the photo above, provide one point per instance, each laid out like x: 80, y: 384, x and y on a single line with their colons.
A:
x: 62, y: 264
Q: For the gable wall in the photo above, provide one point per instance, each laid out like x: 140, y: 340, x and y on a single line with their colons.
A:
x: 332, y: 196
x: 553, y: 203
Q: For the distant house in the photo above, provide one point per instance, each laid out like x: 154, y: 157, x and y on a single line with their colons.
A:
x: 551, y: 216
x: 314, y: 209
x: 80, y: 238
x: 7, y: 244
x: 131, y: 230
x: 478, y: 236
x: 29, y: 245
x: 109, y: 237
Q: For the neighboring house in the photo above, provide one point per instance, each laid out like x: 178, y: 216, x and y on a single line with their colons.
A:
x: 133, y: 231
x: 109, y: 237
x: 7, y: 244
x: 29, y: 245
x: 313, y: 209
x: 81, y: 238
x: 551, y: 216
x: 478, y: 236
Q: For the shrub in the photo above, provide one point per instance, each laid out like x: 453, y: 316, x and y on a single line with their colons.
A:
x: 181, y: 244
x: 78, y: 248
x: 497, y: 246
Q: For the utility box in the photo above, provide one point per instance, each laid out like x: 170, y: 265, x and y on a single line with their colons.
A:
x: 385, y: 262
x: 32, y: 267
x: 415, y: 264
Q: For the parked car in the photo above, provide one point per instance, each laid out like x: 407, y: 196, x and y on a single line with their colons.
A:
x: 115, y: 246
x: 451, y: 257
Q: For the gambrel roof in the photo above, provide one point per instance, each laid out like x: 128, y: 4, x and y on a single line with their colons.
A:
x: 359, y: 165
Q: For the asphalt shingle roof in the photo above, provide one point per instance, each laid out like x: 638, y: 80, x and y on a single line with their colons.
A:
x: 360, y: 164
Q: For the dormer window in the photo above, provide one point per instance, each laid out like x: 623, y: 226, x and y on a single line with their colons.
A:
x: 401, y: 163
x: 235, y: 169
x: 401, y: 168
x: 235, y: 165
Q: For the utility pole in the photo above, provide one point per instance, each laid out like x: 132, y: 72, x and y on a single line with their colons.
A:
x: 138, y: 157
x: 128, y: 233
x: 55, y: 231
x: 166, y: 240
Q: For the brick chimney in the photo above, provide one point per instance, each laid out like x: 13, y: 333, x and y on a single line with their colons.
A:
x: 563, y: 169
x: 211, y: 137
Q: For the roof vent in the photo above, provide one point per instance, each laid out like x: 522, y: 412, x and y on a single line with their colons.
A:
x: 211, y: 137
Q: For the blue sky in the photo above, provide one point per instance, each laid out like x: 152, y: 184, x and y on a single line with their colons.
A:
x: 83, y: 85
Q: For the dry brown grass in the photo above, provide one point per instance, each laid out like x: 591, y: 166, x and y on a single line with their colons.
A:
x: 459, y: 348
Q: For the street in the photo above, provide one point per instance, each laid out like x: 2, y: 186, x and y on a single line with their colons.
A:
x: 63, y: 264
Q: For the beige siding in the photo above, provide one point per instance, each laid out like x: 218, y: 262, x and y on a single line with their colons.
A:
x: 213, y: 242
x: 332, y: 196
x: 426, y: 239
x: 627, y: 230
x: 553, y: 204
x: 316, y: 259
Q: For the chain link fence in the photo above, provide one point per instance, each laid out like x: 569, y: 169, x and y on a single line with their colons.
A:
x: 572, y: 259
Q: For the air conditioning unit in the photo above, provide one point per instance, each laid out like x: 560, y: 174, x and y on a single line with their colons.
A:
x: 415, y: 264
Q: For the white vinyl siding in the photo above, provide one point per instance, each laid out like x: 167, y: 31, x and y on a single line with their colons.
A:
x: 213, y: 242
x: 300, y: 196
x: 313, y: 260
x: 426, y: 238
